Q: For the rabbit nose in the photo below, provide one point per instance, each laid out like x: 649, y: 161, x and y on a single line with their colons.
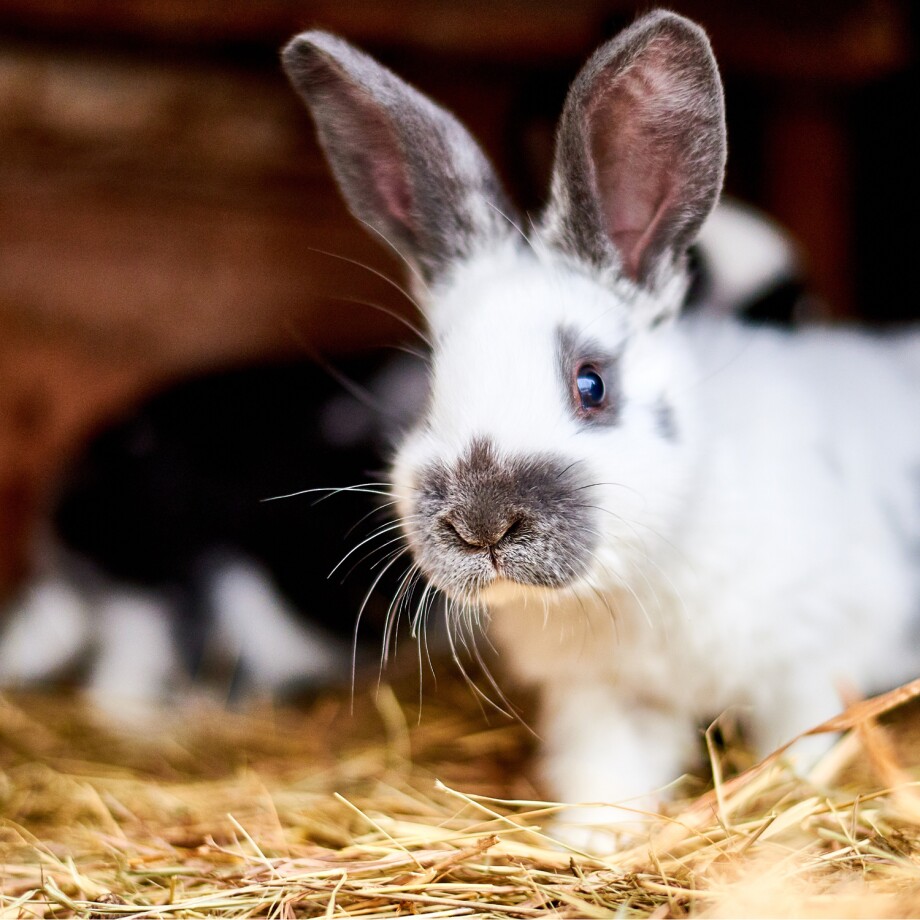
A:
x: 482, y: 533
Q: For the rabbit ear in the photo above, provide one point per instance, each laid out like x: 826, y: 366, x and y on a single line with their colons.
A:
x: 640, y: 151
x: 405, y: 166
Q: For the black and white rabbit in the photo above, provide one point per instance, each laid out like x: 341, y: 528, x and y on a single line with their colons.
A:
x: 164, y: 562
x: 656, y: 517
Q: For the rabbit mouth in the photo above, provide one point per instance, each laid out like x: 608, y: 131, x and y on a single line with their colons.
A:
x: 504, y: 592
x: 492, y: 518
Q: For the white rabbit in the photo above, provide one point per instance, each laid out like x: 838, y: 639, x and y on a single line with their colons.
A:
x: 656, y: 518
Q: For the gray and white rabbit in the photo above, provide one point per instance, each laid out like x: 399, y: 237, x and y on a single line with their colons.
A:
x: 162, y: 573
x: 655, y: 517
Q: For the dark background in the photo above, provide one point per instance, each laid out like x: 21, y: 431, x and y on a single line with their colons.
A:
x: 162, y: 202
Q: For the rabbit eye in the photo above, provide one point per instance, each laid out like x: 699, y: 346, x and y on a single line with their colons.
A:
x: 591, y: 388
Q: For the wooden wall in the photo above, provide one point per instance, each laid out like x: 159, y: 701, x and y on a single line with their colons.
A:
x: 163, y: 205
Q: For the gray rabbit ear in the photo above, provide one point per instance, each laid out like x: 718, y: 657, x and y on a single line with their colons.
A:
x: 406, y: 167
x: 640, y: 151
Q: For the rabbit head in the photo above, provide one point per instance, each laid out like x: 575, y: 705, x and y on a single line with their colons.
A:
x: 552, y: 437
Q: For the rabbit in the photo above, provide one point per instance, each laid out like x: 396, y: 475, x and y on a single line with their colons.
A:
x: 163, y: 571
x: 165, y: 563
x: 653, y: 517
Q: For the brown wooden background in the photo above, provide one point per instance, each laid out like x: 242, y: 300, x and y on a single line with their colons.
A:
x: 162, y: 203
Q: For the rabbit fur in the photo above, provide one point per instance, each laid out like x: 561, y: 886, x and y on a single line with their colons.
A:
x: 733, y: 525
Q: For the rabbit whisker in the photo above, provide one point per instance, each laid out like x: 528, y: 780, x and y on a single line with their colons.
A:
x: 465, y: 618
x: 510, y: 221
x: 334, y: 490
x: 357, y: 626
x: 391, y: 620
x: 377, y: 533
x: 405, y: 259
x: 417, y: 331
x: 377, y: 510
x: 369, y: 268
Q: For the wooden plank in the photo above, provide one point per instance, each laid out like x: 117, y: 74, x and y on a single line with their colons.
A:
x: 155, y: 220
x: 502, y: 30
x: 836, y: 40
x: 178, y: 280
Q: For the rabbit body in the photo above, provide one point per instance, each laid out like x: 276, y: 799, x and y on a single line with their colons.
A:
x: 656, y: 517
x: 762, y: 564
x: 177, y: 553
x: 755, y: 554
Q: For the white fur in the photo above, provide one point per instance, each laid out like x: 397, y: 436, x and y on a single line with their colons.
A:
x: 259, y: 629
x: 746, y: 252
x: 125, y: 634
x: 45, y: 631
x: 755, y: 563
x: 136, y: 663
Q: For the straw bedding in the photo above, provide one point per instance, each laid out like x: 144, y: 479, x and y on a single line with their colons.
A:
x: 374, y: 810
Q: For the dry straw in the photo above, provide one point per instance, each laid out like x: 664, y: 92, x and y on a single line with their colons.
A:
x: 321, y: 812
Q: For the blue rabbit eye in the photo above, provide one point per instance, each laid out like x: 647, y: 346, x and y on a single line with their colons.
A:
x: 590, y: 388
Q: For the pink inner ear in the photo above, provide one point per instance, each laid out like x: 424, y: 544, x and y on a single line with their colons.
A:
x: 392, y: 185
x: 374, y: 141
x: 632, y: 242
x: 636, y: 160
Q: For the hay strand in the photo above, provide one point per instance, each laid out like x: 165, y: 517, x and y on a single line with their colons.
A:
x: 315, y: 813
